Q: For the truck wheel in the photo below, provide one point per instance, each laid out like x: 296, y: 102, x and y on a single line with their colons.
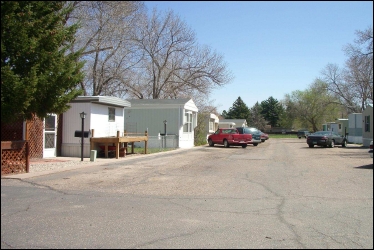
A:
x: 226, y: 143
x: 211, y: 144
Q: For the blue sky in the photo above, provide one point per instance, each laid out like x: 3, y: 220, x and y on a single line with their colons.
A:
x: 272, y: 48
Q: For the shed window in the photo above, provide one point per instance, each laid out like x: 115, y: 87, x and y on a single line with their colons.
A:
x: 111, y: 114
x: 367, y: 123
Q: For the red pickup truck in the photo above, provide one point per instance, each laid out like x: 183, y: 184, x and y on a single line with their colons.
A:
x: 229, y: 136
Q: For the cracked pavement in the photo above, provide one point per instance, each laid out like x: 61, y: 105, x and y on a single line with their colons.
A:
x: 278, y: 195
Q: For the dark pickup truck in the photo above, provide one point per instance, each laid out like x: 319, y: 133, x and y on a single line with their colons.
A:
x: 229, y: 136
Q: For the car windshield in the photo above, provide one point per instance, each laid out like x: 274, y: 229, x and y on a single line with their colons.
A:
x: 322, y: 133
x: 229, y: 131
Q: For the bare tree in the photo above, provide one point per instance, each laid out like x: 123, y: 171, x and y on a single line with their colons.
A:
x: 105, y: 39
x: 353, y: 85
x: 333, y: 76
x: 174, y: 65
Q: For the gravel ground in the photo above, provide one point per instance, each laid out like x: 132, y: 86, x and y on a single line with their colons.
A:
x: 55, y: 164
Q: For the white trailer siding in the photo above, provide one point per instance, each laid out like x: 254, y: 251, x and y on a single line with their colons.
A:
x: 150, y: 114
x: 138, y: 120
x: 71, y: 146
x: 355, y: 128
x: 101, y: 124
x: 97, y: 118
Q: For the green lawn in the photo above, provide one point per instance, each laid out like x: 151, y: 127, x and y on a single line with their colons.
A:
x: 282, y: 136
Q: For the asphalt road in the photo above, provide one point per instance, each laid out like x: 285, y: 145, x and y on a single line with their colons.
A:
x: 278, y: 195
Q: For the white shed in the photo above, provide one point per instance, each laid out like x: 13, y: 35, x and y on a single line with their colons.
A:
x: 105, y: 115
x: 175, y: 118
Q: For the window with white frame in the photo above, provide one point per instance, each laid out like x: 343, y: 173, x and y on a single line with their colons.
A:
x: 111, y: 114
x: 187, y: 127
x: 367, y: 123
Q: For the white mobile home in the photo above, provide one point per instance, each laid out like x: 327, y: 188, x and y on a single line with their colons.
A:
x: 174, y: 118
x: 232, y: 123
x: 211, y: 123
x: 104, y: 114
x: 355, y: 128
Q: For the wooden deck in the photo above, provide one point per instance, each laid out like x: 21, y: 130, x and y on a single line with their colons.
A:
x: 118, y: 140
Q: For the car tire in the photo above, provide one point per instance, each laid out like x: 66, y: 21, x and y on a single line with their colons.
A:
x: 255, y: 144
x: 244, y: 146
x: 311, y: 145
x: 344, y: 144
x: 332, y: 144
x: 226, y: 143
x: 262, y: 140
x: 299, y: 137
x: 210, y: 142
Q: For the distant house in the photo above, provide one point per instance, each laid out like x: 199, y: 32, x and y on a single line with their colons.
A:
x: 355, y: 128
x: 232, y: 123
x: 104, y: 114
x: 169, y: 122
x: 211, y: 123
x: 367, y: 129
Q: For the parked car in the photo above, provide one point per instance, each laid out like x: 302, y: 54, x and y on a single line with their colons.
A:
x: 264, y: 136
x: 326, y: 138
x: 256, y: 135
x: 371, y: 149
x: 229, y: 136
x: 303, y: 133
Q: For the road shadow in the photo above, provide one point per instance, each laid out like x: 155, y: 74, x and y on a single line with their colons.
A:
x: 369, y: 166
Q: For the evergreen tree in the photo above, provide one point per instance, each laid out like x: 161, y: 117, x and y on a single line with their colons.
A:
x: 272, y: 111
x: 256, y: 119
x: 37, y: 75
x: 239, y: 110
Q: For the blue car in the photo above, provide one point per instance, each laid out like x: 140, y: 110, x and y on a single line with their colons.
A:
x: 256, y: 134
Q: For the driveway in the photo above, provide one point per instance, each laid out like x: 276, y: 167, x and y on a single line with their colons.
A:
x: 278, y: 195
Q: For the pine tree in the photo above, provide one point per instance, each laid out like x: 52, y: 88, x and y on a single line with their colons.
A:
x: 37, y: 75
x: 272, y: 111
x: 256, y: 119
x: 239, y: 110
